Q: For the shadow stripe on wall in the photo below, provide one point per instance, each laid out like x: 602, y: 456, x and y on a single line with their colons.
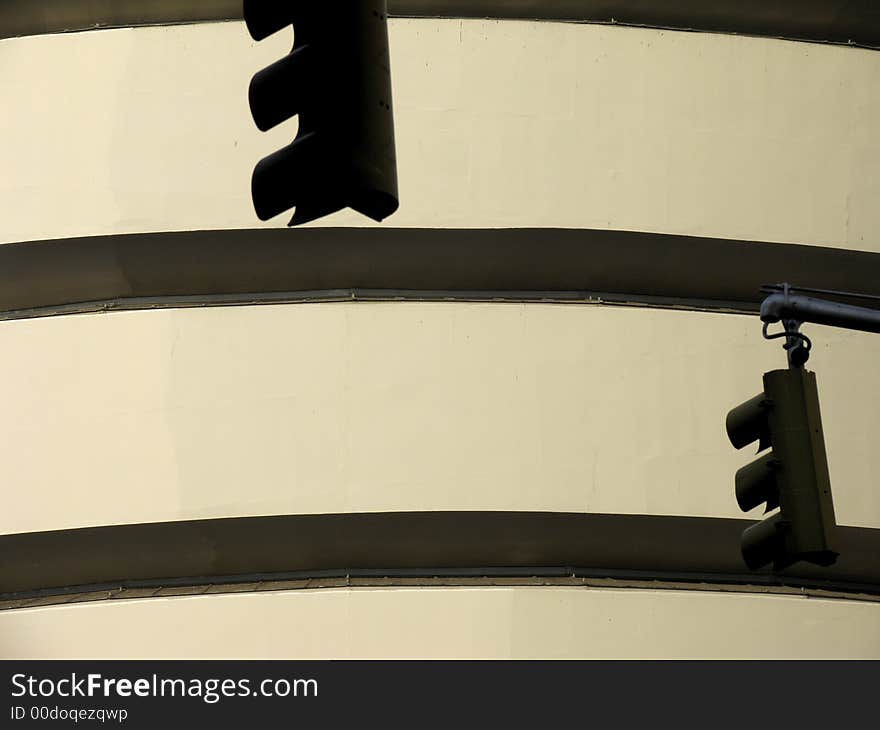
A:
x: 409, y: 544
x: 245, y: 266
x: 853, y: 22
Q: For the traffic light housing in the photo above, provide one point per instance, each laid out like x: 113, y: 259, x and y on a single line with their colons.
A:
x: 337, y: 79
x: 792, y: 476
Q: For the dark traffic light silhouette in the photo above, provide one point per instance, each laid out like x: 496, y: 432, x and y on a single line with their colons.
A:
x: 337, y: 79
x: 793, y: 476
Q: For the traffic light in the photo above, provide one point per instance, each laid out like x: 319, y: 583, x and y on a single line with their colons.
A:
x: 337, y: 79
x: 792, y: 476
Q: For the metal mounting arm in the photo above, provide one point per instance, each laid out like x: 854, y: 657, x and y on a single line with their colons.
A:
x: 795, y: 309
x: 787, y: 306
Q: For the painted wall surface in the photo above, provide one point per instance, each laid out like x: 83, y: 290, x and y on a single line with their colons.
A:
x: 312, y: 408
x: 499, y: 123
x: 335, y: 407
x: 523, y: 622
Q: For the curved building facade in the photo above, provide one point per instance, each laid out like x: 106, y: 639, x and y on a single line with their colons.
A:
x: 492, y: 426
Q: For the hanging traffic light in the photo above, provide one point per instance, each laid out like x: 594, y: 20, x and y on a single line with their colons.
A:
x: 337, y: 79
x: 793, y: 476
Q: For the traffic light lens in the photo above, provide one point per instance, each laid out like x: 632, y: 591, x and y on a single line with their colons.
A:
x: 756, y: 484
x: 762, y: 542
x: 748, y: 422
x: 264, y: 18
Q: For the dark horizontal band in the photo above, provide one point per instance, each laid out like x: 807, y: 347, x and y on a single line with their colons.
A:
x: 245, y: 266
x: 236, y: 550
x: 836, y: 21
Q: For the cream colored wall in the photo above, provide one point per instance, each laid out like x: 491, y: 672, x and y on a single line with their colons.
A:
x: 524, y: 622
x: 499, y: 123
x: 180, y: 414
x: 312, y: 408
